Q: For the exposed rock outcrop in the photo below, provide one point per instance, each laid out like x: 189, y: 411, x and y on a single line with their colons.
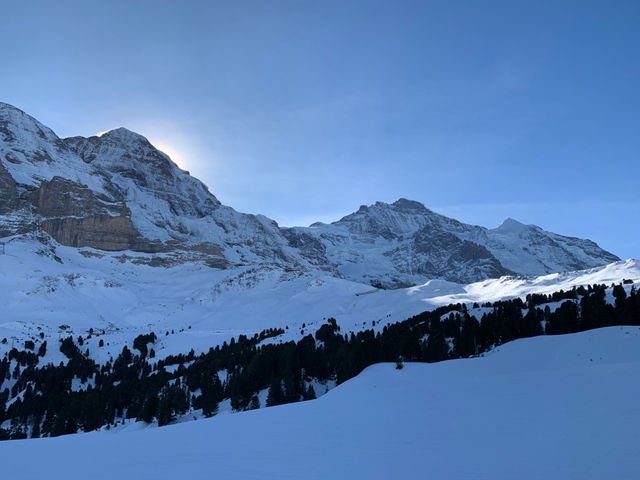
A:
x: 8, y: 191
x: 60, y: 197
x: 74, y: 216
x: 100, y: 231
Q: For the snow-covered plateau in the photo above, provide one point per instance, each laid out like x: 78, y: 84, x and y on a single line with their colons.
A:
x: 554, y: 407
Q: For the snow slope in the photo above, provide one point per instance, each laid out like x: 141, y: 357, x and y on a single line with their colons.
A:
x: 553, y: 407
x: 111, y: 293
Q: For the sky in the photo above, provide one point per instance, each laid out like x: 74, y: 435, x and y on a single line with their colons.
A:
x: 305, y: 110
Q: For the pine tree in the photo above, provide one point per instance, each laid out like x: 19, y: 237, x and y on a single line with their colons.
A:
x: 311, y: 393
x: 35, y: 431
x: 620, y: 295
x: 58, y: 427
x: 275, y: 395
x: 149, y: 407
x: 42, y: 350
x: 437, y: 347
x: 164, y: 410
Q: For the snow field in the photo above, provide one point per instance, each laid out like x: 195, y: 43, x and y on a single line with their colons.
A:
x: 545, y: 407
x: 204, y: 307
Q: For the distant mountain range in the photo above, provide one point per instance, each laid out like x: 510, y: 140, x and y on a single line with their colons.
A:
x: 116, y: 192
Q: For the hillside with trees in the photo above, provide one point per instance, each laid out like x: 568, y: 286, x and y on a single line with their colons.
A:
x: 81, y: 395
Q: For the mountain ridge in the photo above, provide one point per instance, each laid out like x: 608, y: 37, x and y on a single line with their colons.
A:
x: 116, y: 191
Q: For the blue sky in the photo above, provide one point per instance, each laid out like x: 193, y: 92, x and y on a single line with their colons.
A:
x: 303, y: 111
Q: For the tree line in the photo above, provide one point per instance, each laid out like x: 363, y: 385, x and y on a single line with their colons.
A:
x: 41, y: 401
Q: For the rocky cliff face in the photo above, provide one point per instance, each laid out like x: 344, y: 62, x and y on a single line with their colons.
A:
x: 117, y: 192
x: 73, y: 215
x: 8, y: 192
x: 102, y: 232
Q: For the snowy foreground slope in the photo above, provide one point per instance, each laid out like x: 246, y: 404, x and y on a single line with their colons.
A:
x: 545, y: 407
x: 120, y: 299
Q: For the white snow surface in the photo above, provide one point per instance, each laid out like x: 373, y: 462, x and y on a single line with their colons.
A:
x: 556, y: 407
x: 204, y: 307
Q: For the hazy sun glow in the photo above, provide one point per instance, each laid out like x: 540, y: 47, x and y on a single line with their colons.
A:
x: 176, y: 156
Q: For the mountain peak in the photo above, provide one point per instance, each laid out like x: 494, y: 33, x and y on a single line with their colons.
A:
x: 123, y: 135
x: 7, y: 107
x: 510, y: 225
x: 18, y: 125
x: 409, y: 205
x: 402, y: 205
x: 403, y: 217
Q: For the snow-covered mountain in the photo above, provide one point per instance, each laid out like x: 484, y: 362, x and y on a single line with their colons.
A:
x: 116, y: 192
x: 404, y: 243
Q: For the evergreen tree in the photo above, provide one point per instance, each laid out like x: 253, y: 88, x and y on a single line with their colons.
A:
x: 35, y: 430
x: 311, y: 393
x: 164, y: 410
x: 275, y: 395
x: 437, y: 347
x: 620, y: 295
x: 149, y: 408
x: 58, y: 427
